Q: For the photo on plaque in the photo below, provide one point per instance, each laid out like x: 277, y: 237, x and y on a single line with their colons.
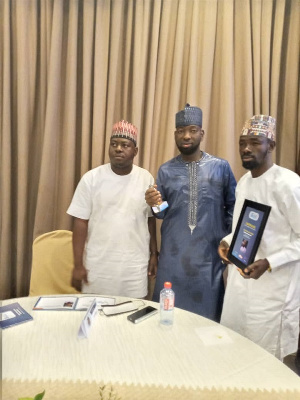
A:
x: 248, y: 233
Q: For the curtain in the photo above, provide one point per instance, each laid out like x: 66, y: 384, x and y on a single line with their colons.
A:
x: 69, y: 69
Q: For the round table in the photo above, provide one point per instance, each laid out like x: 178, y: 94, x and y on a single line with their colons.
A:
x: 137, y: 361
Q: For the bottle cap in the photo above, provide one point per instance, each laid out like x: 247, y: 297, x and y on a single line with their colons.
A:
x: 168, y: 285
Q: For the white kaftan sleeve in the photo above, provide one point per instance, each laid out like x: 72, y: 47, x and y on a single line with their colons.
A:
x: 81, y: 205
x: 290, y: 207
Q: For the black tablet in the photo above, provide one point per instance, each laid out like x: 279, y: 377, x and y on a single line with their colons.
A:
x: 248, y: 233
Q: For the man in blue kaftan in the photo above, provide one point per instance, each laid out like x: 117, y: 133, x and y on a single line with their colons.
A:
x: 200, y: 191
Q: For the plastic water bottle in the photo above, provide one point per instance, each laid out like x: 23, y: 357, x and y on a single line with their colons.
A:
x: 167, y: 302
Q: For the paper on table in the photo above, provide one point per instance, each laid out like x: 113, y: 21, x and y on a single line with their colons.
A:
x: 212, y: 335
x: 55, y: 302
x: 71, y: 302
x: 84, y: 302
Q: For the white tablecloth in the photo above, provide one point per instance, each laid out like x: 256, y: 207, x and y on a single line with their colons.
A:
x: 195, y: 354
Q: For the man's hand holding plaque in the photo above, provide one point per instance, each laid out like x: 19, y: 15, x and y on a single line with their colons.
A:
x: 154, y: 199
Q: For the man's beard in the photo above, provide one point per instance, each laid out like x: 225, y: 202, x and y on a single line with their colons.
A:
x: 252, y: 164
x: 187, y: 151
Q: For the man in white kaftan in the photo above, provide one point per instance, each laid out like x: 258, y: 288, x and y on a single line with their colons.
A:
x: 111, y: 207
x: 265, y: 309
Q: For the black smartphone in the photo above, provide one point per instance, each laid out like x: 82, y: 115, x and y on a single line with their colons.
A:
x: 142, y: 314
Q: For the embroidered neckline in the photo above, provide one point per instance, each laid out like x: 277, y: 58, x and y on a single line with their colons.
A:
x: 190, y: 162
x: 193, y: 195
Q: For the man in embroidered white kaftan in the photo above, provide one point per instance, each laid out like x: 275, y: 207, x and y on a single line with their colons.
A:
x: 264, y: 305
x: 199, y: 189
x: 114, y: 236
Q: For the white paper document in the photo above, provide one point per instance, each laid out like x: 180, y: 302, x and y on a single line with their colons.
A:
x: 81, y: 303
x: 212, y: 335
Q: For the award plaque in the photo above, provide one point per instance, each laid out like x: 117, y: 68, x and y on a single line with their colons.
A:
x: 248, y: 233
x: 159, y: 207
